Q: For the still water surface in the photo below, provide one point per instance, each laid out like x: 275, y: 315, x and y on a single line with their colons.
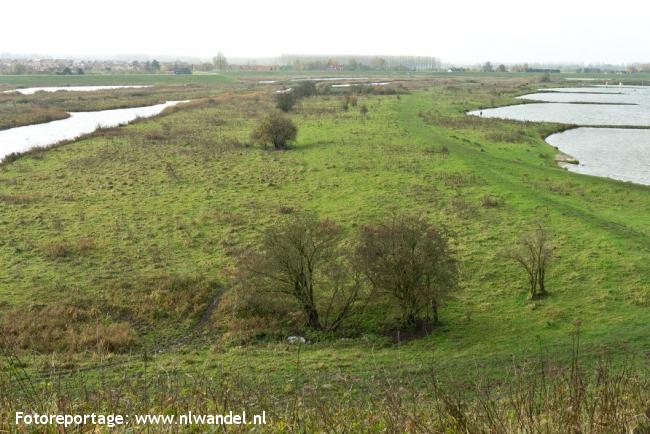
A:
x: 22, y: 139
x: 619, y: 153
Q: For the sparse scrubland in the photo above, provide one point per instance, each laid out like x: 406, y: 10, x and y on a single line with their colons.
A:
x: 139, y: 265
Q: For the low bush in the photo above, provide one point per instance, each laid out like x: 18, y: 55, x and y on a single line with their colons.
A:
x: 58, y: 249
x: 274, y: 129
x: 488, y: 201
x: 285, y: 100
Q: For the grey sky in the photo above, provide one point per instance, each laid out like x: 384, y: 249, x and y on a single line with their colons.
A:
x: 455, y: 31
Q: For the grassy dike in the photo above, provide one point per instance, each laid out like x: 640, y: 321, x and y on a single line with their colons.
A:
x: 122, y: 244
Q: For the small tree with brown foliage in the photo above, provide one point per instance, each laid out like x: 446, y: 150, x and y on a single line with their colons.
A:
x: 412, y: 262
x: 534, y: 253
x: 275, y: 129
x: 300, y: 257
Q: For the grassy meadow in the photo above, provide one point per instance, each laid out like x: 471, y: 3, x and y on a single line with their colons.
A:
x: 117, y: 251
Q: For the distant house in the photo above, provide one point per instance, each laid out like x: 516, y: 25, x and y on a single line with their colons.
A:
x: 182, y: 70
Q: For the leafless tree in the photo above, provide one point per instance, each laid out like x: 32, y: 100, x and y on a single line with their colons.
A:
x: 300, y: 257
x: 534, y: 253
x: 412, y: 262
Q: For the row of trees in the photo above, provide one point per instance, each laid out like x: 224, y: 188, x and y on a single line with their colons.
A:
x: 404, y: 260
x: 68, y: 71
x: 360, y: 63
x: 488, y: 67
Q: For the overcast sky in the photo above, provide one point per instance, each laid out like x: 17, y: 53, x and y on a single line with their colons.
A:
x: 453, y: 30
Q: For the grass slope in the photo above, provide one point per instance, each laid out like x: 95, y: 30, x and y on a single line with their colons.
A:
x: 119, y: 228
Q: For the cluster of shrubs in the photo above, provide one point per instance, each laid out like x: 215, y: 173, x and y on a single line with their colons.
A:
x: 351, y: 100
x: 285, y: 100
x: 278, y: 130
x: 304, y: 262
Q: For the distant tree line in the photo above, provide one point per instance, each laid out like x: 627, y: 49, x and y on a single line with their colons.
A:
x: 294, y: 62
x: 360, y: 63
x: 69, y: 71
x: 488, y: 67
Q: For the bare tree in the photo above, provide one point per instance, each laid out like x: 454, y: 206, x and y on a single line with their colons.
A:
x: 534, y: 253
x: 412, y: 262
x: 220, y: 62
x: 300, y: 257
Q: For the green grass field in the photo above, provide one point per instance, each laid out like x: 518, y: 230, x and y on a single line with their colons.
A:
x: 109, y: 79
x: 131, y: 234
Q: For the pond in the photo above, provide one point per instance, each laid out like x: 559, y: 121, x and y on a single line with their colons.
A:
x: 619, y: 153
x: 24, y: 138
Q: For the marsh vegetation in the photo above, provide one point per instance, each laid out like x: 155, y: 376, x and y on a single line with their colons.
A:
x: 146, y: 257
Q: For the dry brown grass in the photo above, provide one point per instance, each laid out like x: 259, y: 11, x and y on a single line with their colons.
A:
x: 45, y: 328
x: 15, y: 199
x: 58, y: 250
x: 78, y: 322
x: 102, y: 338
x: 14, y: 114
x: 551, y: 399
x: 488, y: 201
x: 85, y: 244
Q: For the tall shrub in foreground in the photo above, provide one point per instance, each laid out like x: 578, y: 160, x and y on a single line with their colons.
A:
x: 300, y: 258
x: 411, y: 262
x: 275, y: 129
